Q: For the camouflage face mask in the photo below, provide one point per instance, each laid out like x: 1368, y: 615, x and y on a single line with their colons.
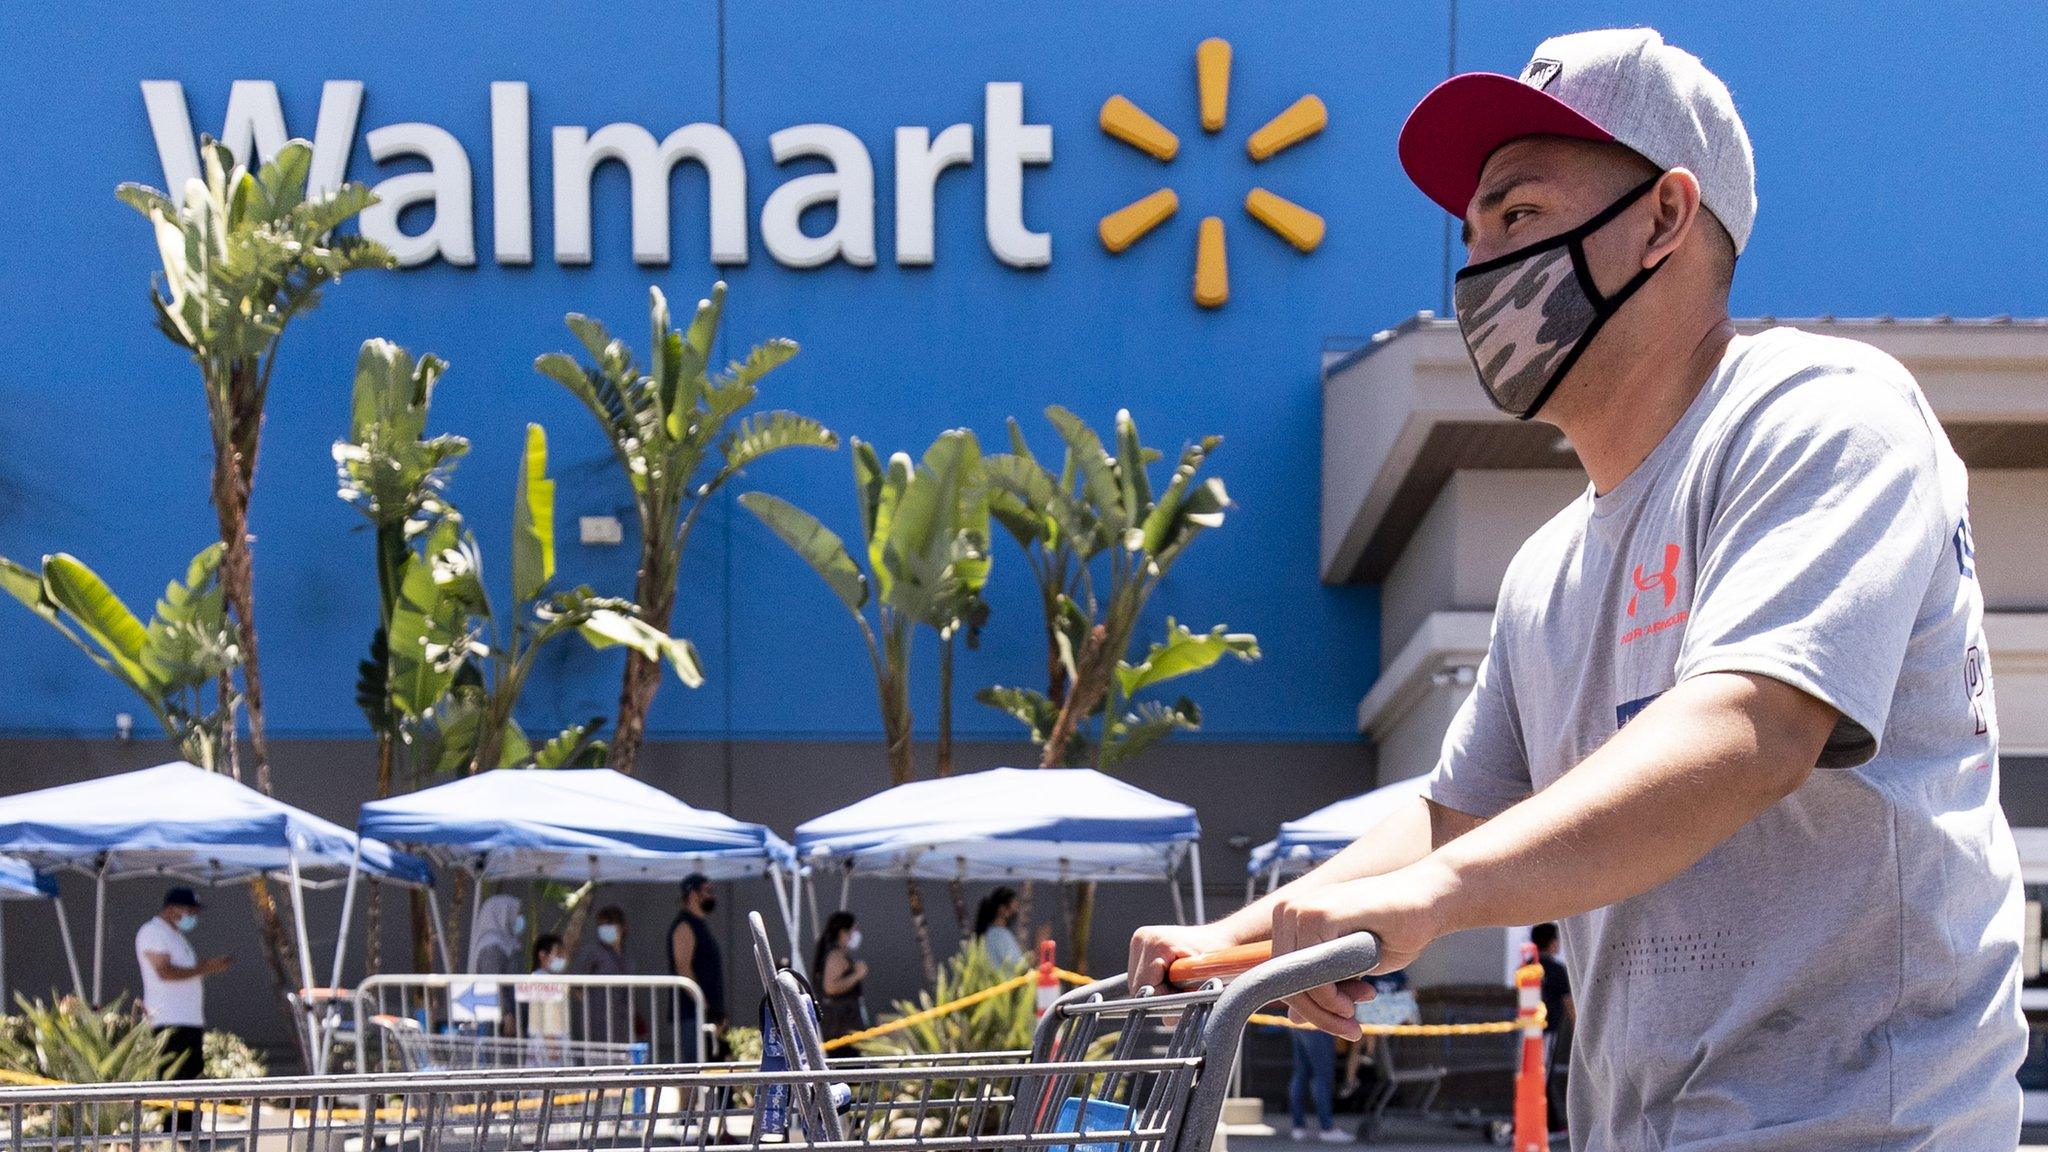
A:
x: 1527, y: 316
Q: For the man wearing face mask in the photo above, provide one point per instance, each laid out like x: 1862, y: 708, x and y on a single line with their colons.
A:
x: 693, y: 951
x: 173, y: 992
x: 1734, y: 729
x: 604, y: 954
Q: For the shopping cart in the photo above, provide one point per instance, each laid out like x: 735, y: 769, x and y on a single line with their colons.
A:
x: 452, y: 1050
x: 1108, y: 1071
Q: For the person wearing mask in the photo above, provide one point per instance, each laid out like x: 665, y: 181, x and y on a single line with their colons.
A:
x: 994, y: 924
x: 499, y: 926
x: 1732, y: 729
x: 693, y: 951
x: 495, y: 951
x: 1558, y: 1018
x: 604, y: 954
x: 173, y: 989
x: 547, y: 1005
x: 840, y: 1007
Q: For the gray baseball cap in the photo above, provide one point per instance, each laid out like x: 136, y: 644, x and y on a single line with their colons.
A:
x: 1620, y: 84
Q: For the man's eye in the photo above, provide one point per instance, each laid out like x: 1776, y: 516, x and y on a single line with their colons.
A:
x: 1513, y: 215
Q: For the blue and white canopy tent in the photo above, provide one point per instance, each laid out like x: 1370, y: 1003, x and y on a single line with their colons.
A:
x: 1011, y: 824
x: 583, y: 824
x: 1304, y: 843
x: 19, y: 881
x: 183, y: 822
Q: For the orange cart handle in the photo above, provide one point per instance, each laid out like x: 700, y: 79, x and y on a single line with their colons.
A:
x: 1221, y: 965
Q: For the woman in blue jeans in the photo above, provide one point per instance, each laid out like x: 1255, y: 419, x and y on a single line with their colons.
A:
x: 1315, y: 1076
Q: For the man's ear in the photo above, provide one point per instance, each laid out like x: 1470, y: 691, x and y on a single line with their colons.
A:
x: 1675, y: 208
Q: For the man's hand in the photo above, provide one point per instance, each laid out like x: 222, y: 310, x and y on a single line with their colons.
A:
x: 1400, y: 909
x: 216, y: 966
x: 1156, y: 946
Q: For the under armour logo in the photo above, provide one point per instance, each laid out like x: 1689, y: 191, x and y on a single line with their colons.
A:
x: 1540, y: 73
x: 1666, y: 580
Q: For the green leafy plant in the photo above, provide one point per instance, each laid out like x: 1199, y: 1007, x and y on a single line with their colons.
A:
x: 456, y: 668
x: 924, y: 529
x: 64, y: 1039
x: 1001, y: 1023
x: 396, y: 475
x: 180, y: 664
x: 663, y: 425
x: 244, y: 252
x: 1100, y: 511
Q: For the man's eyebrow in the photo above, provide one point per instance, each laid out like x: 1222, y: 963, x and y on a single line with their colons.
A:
x: 1491, y: 198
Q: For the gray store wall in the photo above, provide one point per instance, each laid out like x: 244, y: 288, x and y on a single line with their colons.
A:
x: 1240, y: 790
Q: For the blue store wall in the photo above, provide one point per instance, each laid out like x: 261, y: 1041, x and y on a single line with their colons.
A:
x: 1896, y: 151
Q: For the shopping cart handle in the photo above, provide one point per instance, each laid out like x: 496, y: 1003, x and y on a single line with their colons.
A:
x: 1224, y: 964
x: 1189, y: 971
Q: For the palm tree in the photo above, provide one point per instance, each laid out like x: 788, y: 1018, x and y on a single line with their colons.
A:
x: 663, y: 425
x: 179, y: 664
x: 243, y: 253
x: 925, y: 531
x: 392, y: 472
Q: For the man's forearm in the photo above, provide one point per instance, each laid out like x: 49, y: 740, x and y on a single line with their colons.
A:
x: 1409, y: 835
x: 1682, y: 777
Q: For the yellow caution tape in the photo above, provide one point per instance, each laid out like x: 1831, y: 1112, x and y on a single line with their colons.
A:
x: 1483, y: 1028
x: 934, y: 1012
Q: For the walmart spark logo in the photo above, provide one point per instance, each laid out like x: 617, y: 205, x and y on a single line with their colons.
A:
x: 1290, y: 221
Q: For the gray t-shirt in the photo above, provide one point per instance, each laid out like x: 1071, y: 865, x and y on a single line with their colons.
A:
x: 1843, y: 972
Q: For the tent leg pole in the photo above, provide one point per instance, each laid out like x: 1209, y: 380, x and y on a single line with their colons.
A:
x: 299, y: 922
x: 845, y: 887
x: 348, y: 907
x: 99, y: 931
x: 435, y: 927
x: 3, y: 961
x: 1180, y: 908
x: 1195, y: 879
x: 789, y: 929
x: 70, y: 952
x: 811, y: 886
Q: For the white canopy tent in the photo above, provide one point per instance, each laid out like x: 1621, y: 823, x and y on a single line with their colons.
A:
x: 1011, y: 824
x: 585, y: 824
x: 1304, y: 843
x: 182, y: 822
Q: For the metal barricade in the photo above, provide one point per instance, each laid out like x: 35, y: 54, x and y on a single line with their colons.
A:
x: 439, y: 1022
x: 1092, y: 1082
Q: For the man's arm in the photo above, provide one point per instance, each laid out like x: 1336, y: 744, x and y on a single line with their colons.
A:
x: 1686, y: 774
x: 161, y: 962
x: 682, y: 947
x: 1412, y: 832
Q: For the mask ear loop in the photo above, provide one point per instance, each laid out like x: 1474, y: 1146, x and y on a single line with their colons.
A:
x: 1604, y: 305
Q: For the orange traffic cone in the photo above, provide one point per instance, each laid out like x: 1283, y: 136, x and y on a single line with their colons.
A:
x: 1532, y: 1122
x: 1048, y: 978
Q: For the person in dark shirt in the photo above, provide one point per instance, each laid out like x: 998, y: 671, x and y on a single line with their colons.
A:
x: 1558, y: 1016
x: 693, y: 951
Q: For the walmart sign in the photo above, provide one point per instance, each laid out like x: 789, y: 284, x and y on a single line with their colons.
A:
x: 255, y: 123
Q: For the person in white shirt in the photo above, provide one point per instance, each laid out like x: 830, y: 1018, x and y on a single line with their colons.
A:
x: 173, y: 989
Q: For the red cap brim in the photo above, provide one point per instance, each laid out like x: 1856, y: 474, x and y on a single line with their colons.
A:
x: 1458, y: 125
